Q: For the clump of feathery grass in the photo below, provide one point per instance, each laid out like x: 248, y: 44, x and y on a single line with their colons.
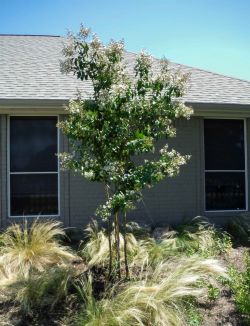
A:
x: 196, y: 237
x: 40, y: 290
x: 201, y: 237
x: 156, y: 298
x: 25, y: 248
x: 96, y: 250
x: 151, y: 251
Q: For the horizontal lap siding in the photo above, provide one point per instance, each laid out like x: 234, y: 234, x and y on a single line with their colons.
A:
x: 177, y: 198
x: 81, y: 197
x: 64, y: 179
x: 85, y: 197
x: 248, y: 158
x: 168, y: 202
x: 3, y: 166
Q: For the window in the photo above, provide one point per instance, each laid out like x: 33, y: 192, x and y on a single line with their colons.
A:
x: 33, y: 166
x: 225, y: 170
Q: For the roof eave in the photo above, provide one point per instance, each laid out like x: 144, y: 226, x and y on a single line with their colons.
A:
x: 220, y: 109
x: 8, y: 106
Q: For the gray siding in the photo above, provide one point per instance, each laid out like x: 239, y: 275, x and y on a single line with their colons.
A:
x: 170, y: 201
x: 80, y: 197
x: 3, y: 173
x: 84, y: 198
x: 175, y: 199
x: 64, y: 178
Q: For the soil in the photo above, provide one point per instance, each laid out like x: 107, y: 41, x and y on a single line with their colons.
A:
x: 223, y: 311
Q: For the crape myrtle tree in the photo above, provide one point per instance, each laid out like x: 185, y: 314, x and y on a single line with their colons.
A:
x: 124, y: 118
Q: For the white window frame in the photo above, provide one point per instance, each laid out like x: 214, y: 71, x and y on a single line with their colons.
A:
x: 9, y: 173
x: 245, y: 170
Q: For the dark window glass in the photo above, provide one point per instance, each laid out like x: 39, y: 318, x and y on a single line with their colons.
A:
x: 33, y: 148
x: 33, y: 144
x: 224, y: 144
x: 225, y: 190
x: 224, y: 150
x: 33, y: 194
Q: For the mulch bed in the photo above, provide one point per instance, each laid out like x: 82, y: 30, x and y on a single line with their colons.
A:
x: 223, y: 311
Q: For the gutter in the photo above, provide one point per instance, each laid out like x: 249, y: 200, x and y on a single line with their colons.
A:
x: 12, y: 106
x: 58, y: 106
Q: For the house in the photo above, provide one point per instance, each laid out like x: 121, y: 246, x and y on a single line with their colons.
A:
x: 33, y: 94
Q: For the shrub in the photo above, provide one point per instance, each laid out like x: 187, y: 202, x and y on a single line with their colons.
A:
x: 155, y: 298
x: 239, y: 283
x: 24, y: 249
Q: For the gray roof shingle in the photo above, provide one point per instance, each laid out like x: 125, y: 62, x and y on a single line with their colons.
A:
x: 29, y: 69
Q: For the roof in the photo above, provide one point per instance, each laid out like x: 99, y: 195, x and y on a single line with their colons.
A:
x: 29, y: 69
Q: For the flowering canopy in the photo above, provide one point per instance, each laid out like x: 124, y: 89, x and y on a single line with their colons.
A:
x: 124, y: 118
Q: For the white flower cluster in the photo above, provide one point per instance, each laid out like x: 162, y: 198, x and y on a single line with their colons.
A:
x: 145, y: 57
x: 89, y: 175
x: 65, y: 159
x: 118, y: 90
x: 183, y: 111
x: 176, y: 158
x: 84, y: 32
x: 73, y: 107
x: 95, y: 44
x: 177, y: 161
x: 170, y: 130
x: 164, y: 150
x: 117, y: 47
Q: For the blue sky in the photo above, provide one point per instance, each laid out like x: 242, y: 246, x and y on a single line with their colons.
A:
x: 209, y: 34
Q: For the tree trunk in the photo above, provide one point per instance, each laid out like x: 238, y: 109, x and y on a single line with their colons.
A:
x: 117, y: 235
x: 125, y: 245
x: 109, y: 238
x: 110, y: 246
